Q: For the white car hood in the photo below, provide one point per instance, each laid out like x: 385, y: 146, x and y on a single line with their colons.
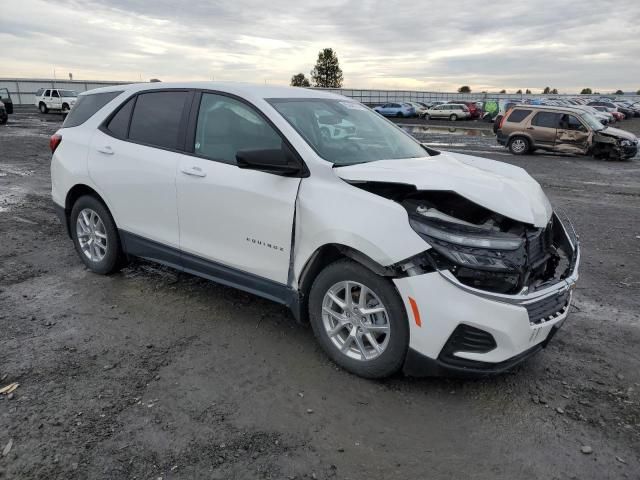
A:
x: 498, y: 186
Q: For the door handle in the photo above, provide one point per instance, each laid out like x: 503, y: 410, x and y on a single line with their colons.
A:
x: 530, y: 128
x: 107, y: 150
x: 193, y: 171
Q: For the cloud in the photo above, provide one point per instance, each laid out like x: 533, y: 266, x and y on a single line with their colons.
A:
x: 381, y: 44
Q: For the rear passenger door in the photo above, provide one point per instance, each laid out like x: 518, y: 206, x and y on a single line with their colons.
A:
x: 230, y: 216
x: 133, y: 160
x: 543, y: 128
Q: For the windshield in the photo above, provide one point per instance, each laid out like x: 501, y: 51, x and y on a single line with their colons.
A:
x: 344, y: 132
x: 592, y: 121
x: 68, y: 93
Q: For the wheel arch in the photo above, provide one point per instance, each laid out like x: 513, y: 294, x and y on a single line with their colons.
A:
x: 77, y: 191
x: 526, y: 136
x: 325, y: 255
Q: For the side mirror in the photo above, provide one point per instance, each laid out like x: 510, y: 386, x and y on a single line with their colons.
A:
x: 277, y: 161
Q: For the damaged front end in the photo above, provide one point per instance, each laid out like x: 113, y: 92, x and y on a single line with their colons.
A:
x: 488, y: 251
x: 614, y: 144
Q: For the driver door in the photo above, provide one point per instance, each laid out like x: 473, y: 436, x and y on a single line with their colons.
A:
x: 229, y: 216
x: 572, y: 135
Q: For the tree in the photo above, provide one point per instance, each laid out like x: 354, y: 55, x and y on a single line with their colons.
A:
x: 299, y: 80
x: 519, y: 91
x: 464, y: 89
x: 638, y: 92
x: 546, y: 90
x: 619, y: 92
x: 503, y: 91
x: 327, y: 72
x: 554, y: 91
x: 528, y: 92
x: 586, y: 91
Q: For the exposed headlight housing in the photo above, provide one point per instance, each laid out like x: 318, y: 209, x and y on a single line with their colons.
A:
x: 625, y: 143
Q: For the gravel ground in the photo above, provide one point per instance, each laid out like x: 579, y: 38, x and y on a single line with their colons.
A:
x: 154, y: 374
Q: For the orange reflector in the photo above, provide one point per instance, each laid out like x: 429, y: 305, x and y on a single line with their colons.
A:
x: 416, y: 312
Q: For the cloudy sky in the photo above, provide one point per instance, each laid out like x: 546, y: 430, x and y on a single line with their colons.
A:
x: 426, y: 45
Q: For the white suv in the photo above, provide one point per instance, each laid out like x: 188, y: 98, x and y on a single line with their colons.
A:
x: 399, y: 256
x: 452, y: 111
x: 55, y: 99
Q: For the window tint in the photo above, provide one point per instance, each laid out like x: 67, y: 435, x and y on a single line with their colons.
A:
x: 54, y: 93
x: 546, y: 119
x: 569, y: 122
x: 518, y: 115
x: 47, y: 93
x: 156, y: 118
x: 226, y: 126
x: 87, y: 106
x: 119, y: 124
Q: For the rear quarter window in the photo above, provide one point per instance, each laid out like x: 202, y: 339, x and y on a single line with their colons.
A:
x: 518, y: 115
x: 87, y: 106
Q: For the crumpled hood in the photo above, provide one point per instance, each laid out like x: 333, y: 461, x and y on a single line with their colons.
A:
x: 500, y: 187
x: 616, y: 132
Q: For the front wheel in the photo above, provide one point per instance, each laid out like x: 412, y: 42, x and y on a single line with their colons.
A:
x: 359, y: 320
x: 453, y: 117
x: 95, y: 235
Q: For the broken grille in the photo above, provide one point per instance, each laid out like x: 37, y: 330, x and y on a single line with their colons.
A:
x: 548, y: 308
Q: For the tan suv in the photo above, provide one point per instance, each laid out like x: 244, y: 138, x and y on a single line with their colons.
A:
x: 526, y: 128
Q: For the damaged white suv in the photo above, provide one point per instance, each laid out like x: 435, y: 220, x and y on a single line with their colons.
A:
x: 399, y: 256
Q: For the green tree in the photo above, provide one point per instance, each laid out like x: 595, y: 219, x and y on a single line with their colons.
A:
x: 638, y: 92
x: 327, y: 72
x: 619, y: 92
x: 554, y: 91
x: 586, y: 91
x: 519, y: 91
x: 528, y: 92
x: 464, y: 89
x: 502, y: 91
x: 546, y: 90
x: 299, y: 80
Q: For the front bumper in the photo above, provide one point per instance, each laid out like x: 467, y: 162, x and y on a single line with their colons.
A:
x: 511, y: 327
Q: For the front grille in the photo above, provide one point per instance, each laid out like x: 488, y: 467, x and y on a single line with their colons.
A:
x: 538, y: 245
x: 548, y: 308
x: 466, y: 338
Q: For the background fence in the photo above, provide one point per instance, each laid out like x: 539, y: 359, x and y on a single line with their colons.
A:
x: 23, y: 91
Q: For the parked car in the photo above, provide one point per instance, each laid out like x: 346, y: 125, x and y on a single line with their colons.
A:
x: 474, y: 111
x: 55, y: 99
x: 396, y: 110
x: 526, y: 128
x: 617, y: 116
x: 628, y: 113
x: 419, y: 108
x: 4, y: 116
x: 399, y: 256
x: 5, y: 98
x: 452, y: 111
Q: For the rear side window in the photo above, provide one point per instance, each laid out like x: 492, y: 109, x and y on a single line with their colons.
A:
x: 156, y: 118
x: 54, y: 93
x: 47, y: 93
x: 546, y: 119
x: 119, y: 124
x: 87, y: 106
x: 518, y: 115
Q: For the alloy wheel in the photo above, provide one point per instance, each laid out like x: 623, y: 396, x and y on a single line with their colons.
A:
x: 92, y: 235
x: 355, y: 320
x: 518, y: 145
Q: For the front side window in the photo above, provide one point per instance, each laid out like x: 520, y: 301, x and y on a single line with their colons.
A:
x: 370, y: 137
x: 47, y: 93
x: 54, y: 94
x: 546, y: 119
x: 4, y: 94
x: 156, y: 118
x: 227, y: 126
x: 569, y: 122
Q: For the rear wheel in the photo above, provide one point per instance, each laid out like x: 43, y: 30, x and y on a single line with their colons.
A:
x: 95, y: 235
x: 359, y: 319
x: 65, y: 108
x: 453, y: 117
x: 399, y: 115
x: 43, y: 108
x: 519, y: 145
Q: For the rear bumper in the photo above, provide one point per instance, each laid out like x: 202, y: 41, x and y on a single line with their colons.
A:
x: 62, y: 216
x: 501, y: 138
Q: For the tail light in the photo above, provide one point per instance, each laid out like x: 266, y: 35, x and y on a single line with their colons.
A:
x: 465, y: 109
x: 54, y: 141
x: 504, y: 117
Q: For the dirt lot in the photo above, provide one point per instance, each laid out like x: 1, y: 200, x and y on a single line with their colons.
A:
x: 153, y: 374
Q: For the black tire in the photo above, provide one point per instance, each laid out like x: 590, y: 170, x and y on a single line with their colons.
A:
x: 43, y: 108
x: 4, y: 118
x: 453, y: 117
x: 427, y: 116
x: 113, y: 258
x: 392, y: 358
x: 399, y: 115
x: 65, y: 108
x: 515, y: 145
